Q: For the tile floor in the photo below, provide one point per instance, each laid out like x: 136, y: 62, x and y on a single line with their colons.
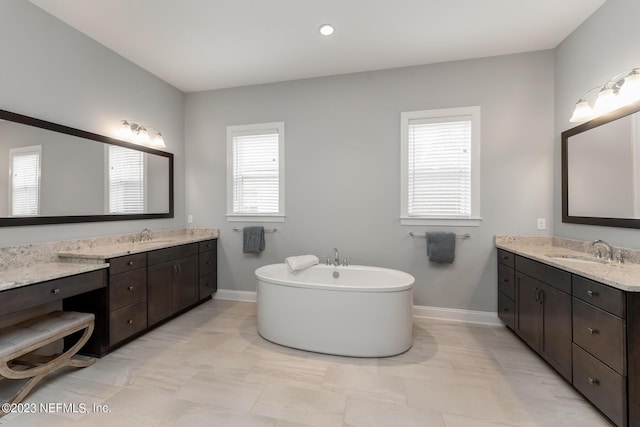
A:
x: 209, y: 367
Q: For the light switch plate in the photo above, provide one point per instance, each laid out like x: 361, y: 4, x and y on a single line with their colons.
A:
x: 542, y: 224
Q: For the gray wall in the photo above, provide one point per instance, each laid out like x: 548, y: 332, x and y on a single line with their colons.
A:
x: 604, y: 45
x: 343, y: 168
x: 51, y: 71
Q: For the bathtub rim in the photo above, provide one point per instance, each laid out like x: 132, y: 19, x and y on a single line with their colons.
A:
x: 402, y: 287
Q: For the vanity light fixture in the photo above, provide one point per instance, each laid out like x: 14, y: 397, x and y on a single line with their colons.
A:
x: 326, y: 29
x: 623, y: 89
x: 138, y: 133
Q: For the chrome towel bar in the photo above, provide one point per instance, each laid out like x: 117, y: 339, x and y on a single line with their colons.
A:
x: 266, y: 230
x: 459, y: 236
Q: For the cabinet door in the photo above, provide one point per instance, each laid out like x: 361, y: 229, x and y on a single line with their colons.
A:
x: 160, y: 280
x: 528, y: 309
x: 185, y: 287
x: 556, y: 329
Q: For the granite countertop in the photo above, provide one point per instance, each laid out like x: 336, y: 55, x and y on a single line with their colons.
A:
x: 40, y: 262
x: 41, y: 272
x: 575, y: 256
x: 104, y: 252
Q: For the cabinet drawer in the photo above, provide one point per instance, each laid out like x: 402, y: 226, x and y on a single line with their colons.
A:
x: 506, y: 307
x: 601, y: 334
x: 127, y: 288
x: 605, y: 388
x: 53, y: 290
x: 506, y: 258
x: 172, y: 254
x: 208, y: 285
x: 506, y: 280
x: 127, y: 321
x: 207, y: 263
x: 127, y: 263
x: 555, y: 277
x: 207, y: 245
x: 603, y: 296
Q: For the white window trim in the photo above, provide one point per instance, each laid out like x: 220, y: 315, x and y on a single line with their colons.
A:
x: 474, y: 219
x: 33, y: 149
x: 277, y: 217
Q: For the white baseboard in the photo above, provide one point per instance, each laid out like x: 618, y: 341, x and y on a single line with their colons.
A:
x: 457, y: 315
x: 233, y: 295
x: 453, y: 314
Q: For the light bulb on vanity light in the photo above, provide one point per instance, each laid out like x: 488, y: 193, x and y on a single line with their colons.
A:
x: 630, y: 89
x: 139, y: 134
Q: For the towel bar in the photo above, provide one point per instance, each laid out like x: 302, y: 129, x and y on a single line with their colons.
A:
x: 266, y: 230
x: 459, y: 236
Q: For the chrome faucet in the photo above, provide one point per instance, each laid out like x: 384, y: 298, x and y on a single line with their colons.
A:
x: 336, y: 257
x: 146, y: 232
x: 609, y: 249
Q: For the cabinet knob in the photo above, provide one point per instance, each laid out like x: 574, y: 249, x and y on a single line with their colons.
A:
x: 208, y: 262
x: 593, y: 381
x: 130, y: 288
x: 593, y: 331
x: 130, y: 322
x: 505, y: 280
x: 55, y: 291
x: 130, y: 263
x: 208, y: 285
x: 505, y: 309
x: 592, y: 293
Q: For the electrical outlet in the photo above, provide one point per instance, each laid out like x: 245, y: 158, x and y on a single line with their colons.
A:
x: 189, y: 219
x: 542, y: 224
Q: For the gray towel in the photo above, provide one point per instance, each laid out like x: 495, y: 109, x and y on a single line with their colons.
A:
x: 253, y: 240
x: 441, y: 246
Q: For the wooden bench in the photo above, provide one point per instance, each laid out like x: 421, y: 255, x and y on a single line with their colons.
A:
x: 19, y: 341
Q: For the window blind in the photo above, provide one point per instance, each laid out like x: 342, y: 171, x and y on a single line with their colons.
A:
x: 439, y: 167
x: 25, y: 182
x: 126, y: 180
x: 256, y: 185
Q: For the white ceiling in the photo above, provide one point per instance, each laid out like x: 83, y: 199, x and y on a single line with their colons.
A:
x: 200, y: 45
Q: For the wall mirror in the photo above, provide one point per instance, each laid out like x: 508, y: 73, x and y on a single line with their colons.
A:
x: 601, y: 170
x: 54, y: 174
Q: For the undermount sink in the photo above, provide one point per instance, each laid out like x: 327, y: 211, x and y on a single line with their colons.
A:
x: 577, y: 259
x: 153, y: 242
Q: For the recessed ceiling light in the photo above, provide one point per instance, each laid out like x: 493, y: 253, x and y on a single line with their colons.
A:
x: 326, y: 29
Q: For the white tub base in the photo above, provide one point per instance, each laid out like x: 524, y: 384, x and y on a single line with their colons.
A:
x: 344, y: 322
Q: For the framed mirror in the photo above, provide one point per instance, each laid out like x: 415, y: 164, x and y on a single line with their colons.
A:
x: 601, y: 170
x: 54, y: 174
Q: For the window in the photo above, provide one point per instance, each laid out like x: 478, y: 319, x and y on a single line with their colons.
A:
x: 127, y: 183
x: 441, y: 167
x: 255, y: 172
x: 24, y: 185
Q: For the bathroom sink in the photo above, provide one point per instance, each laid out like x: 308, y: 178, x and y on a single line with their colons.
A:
x: 576, y: 258
x: 154, y: 242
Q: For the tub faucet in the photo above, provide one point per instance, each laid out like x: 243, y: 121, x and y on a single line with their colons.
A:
x: 609, y: 249
x: 336, y: 257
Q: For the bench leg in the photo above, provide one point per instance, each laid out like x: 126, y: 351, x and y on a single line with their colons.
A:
x: 37, y: 373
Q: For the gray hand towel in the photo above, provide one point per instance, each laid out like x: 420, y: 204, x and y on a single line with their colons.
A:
x: 441, y: 246
x: 253, y: 240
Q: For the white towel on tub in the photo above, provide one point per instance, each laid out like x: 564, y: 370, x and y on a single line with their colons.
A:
x: 300, y: 262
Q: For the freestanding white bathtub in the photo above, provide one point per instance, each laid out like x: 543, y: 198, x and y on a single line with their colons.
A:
x: 365, y: 312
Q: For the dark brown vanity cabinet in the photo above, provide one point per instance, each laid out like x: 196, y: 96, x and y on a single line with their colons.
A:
x: 208, y: 268
x: 127, y: 296
x: 543, y: 311
x: 600, y: 347
x: 506, y: 288
x: 172, y: 281
x: 588, y: 331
